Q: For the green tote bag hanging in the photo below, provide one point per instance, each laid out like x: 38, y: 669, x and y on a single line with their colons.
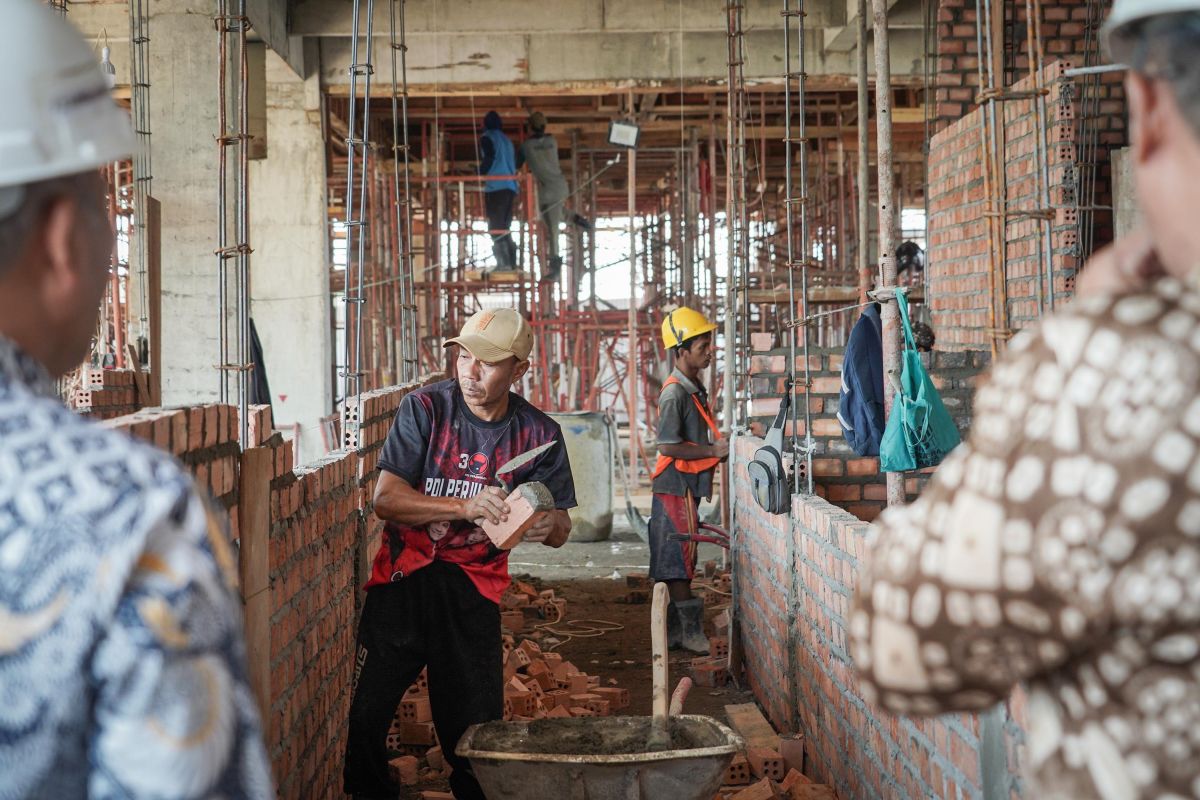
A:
x: 919, y: 432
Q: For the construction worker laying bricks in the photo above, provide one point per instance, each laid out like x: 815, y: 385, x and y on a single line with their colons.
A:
x: 434, y: 592
x: 689, y: 448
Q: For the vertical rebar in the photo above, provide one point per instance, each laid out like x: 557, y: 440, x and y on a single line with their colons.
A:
x: 232, y: 23
x: 791, y: 200
x: 409, y: 356
x: 143, y: 174
x: 865, y: 272
x: 358, y: 147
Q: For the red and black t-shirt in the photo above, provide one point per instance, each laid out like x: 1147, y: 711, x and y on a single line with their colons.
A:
x: 443, y: 450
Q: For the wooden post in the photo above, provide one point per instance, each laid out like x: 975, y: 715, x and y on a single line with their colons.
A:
x: 254, y: 527
x: 887, y: 222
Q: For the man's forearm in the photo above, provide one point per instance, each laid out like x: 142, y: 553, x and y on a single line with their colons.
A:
x: 688, y: 451
x: 394, y: 504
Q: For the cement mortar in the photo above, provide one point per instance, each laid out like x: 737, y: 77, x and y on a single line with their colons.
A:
x: 590, y: 736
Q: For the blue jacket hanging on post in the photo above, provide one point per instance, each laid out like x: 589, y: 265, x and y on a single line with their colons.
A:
x: 860, y: 405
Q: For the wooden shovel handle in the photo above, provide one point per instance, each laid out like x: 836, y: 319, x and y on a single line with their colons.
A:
x: 658, y: 644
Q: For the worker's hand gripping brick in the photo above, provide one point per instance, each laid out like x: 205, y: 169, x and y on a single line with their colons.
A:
x: 525, y: 503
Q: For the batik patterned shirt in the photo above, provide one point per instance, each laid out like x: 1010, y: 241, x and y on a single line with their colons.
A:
x: 1060, y: 547
x: 441, y: 449
x: 122, y: 669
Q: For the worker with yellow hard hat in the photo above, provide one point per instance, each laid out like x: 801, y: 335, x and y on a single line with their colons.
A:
x: 689, y: 448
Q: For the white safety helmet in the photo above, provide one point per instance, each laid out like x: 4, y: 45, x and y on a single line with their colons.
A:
x: 57, y: 115
x: 1127, y: 12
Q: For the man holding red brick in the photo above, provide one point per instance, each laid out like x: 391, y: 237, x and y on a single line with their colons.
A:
x: 689, y: 448
x: 434, y: 592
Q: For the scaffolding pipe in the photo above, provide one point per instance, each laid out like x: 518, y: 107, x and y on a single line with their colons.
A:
x: 632, y: 362
x: 887, y: 222
x: 356, y: 223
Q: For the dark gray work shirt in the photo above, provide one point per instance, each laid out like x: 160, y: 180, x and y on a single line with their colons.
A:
x: 679, y: 421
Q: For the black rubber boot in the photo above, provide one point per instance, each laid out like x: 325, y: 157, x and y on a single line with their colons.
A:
x: 691, y: 622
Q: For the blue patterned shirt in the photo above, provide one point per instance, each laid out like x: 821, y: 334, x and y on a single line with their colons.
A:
x: 122, y: 663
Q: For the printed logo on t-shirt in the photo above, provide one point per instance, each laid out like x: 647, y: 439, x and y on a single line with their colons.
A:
x: 476, y: 465
x: 449, y: 487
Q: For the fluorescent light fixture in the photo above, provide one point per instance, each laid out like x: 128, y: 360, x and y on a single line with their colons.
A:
x: 623, y: 134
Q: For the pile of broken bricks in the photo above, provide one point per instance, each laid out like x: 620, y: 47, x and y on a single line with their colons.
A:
x: 771, y: 767
x: 412, y: 735
x: 542, y: 685
x: 523, y: 607
x: 762, y: 774
x: 537, y: 685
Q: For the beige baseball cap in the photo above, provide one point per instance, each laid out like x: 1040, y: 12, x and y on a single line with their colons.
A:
x: 494, y: 335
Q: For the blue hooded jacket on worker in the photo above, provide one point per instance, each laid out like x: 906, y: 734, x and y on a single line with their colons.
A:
x: 498, y: 157
x: 860, y: 405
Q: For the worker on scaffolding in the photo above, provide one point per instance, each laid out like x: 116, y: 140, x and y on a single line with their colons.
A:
x: 1058, y: 548
x: 434, y: 592
x: 122, y: 660
x: 540, y: 152
x: 690, y: 447
x: 498, y: 157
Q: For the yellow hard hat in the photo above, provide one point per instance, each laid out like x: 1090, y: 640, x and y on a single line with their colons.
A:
x: 682, y: 324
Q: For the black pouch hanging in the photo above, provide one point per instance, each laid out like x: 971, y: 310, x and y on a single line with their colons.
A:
x: 768, y: 475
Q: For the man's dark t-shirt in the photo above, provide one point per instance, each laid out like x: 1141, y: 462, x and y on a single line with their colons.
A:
x: 443, y: 450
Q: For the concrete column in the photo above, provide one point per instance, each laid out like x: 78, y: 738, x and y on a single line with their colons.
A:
x: 183, y: 66
x: 290, y: 274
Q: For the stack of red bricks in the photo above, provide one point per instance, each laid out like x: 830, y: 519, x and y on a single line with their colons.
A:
x: 105, y: 393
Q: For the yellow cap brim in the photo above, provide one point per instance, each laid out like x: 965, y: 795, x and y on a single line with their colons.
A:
x: 482, y: 349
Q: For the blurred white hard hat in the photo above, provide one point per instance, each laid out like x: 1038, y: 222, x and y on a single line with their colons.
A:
x: 57, y: 115
x: 1127, y: 12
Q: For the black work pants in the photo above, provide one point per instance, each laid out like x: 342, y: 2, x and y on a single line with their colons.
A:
x: 433, y: 617
x: 499, y: 207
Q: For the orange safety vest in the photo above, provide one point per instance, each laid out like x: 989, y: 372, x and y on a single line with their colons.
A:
x: 692, y: 466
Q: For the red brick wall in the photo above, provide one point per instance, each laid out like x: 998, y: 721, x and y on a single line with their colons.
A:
x: 204, y: 438
x: 321, y: 530
x: 959, y: 271
x: 794, y: 577
x: 315, y: 523
x: 839, y: 475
